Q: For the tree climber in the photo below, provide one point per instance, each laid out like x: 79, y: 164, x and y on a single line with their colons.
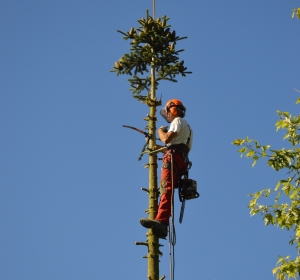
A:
x: 178, y: 139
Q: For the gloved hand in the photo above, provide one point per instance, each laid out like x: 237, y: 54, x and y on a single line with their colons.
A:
x: 164, y: 128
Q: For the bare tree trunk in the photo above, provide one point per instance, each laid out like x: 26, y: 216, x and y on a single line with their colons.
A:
x: 153, y: 241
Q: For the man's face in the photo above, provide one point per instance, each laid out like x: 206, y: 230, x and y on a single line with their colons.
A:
x: 170, y: 116
x: 166, y: 114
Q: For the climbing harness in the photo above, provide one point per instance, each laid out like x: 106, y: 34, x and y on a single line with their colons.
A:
x: 187, y: 188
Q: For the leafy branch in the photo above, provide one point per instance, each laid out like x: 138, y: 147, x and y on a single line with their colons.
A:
x: 285, y: 211
x: 255, y: 152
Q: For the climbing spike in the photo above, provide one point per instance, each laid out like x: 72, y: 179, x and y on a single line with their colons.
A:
x: 163, y: 277
x: 144, y: 189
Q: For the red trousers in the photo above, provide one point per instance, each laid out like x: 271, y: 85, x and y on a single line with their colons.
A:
x: 166, y: 188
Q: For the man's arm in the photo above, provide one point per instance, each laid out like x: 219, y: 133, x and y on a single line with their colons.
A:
x: 166, y: 137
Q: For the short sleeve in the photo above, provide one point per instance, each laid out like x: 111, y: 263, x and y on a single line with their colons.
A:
x: 175, y: 125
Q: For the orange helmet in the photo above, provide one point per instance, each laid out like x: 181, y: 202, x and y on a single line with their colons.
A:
x: 175, y: 107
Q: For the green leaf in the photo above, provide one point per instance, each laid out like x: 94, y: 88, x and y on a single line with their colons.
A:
x: 269, y: 219
x: 267, y: 192
x: 242, y: 150
x: 294, y: 194
x: 286, y: 136
x: 255, y: 158
x: 248, y: 140
x: 298, y: 100
x: 250, y: 154
x: 265, y: 147
x: 238, y: 142
x: 278, y: 185
x: 274, y: 271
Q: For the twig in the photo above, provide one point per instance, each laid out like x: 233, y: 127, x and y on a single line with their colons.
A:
x: 255, y: 150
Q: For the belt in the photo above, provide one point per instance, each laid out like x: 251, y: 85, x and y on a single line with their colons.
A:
x: 181, y: 148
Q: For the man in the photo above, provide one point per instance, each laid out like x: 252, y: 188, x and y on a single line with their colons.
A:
x: 178, y: 140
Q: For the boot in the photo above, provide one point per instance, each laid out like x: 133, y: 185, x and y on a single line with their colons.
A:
x: 159, y: 228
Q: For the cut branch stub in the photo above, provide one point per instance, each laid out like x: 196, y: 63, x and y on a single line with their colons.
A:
x: 141, y: 243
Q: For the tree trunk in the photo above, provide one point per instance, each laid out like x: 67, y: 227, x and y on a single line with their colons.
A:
x: 153, y: 241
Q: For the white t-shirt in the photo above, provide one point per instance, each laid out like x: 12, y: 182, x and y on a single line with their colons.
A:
x: 183, y: 129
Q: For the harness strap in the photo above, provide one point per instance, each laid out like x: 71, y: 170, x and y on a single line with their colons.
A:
x: 189, y: 138
x: 183, y: 150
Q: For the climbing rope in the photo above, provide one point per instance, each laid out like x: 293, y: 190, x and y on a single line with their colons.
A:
x: 172, y: 232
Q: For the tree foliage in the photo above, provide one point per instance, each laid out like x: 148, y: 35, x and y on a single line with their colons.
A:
x: 296, y: 12
x: 285, y: 210
x: 153, y: 43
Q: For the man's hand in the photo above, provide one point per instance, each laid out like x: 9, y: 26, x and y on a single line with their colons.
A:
x: 164, y: 129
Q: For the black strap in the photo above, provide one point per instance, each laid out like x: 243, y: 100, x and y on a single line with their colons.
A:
x: 189, y: 138
x: 182, y: 148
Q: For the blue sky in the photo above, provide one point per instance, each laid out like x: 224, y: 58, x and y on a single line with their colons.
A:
x: 70, y: 198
